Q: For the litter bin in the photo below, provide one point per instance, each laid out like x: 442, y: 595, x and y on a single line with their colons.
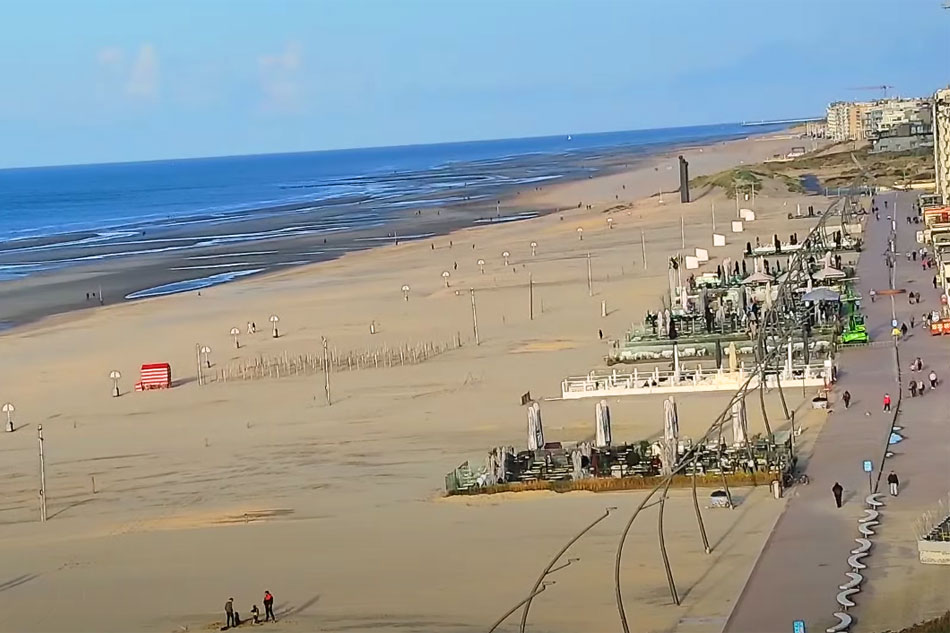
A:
x: 777, y: 489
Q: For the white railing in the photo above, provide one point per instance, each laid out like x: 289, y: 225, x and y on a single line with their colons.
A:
x: 599, y: 384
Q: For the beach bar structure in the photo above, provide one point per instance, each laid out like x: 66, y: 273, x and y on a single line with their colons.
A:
x: 154, y: 376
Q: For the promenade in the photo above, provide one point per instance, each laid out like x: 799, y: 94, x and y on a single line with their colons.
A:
x: 803, y: 563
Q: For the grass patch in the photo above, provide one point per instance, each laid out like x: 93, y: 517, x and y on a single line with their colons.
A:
x: 937, y: 625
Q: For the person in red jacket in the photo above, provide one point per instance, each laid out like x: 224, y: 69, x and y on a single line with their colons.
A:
x: 269, y: 607
x: 887, y: 402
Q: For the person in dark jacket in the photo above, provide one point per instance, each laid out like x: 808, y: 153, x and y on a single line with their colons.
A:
x: 229, y: 613
x: 837, y: 491
x: 893, y: 483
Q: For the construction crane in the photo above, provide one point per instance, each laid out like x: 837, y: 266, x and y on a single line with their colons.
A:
x: 883, y: 88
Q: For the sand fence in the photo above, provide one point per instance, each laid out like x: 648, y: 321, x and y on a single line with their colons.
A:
x: 288, y: 365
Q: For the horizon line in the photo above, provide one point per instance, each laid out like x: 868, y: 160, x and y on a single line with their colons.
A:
x: 360, y: 148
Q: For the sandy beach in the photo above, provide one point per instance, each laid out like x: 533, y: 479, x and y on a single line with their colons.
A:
x: 229, y: 489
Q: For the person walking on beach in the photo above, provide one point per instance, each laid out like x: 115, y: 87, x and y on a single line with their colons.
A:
x: 846, y: 397
x: 229, y: 613
x: 269, y: 607
x: 892, y: 483
x: 887, y: 402
x: 837, y: 491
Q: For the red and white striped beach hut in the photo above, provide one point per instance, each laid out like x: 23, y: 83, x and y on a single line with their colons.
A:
x: 155, y: 376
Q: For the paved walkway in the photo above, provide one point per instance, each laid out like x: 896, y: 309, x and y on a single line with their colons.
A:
x: 798, y: 573
x: 898, y: 589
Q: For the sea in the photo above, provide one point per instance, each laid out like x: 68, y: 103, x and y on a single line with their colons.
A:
x: 53, y: 218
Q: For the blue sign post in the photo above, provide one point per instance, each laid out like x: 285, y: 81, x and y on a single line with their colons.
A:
x: 869, y: 468
x: 798, y: 626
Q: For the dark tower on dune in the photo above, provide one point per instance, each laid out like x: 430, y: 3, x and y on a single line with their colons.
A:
x: 684, y: 180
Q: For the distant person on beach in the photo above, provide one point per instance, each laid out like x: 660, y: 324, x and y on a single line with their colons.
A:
x: 256, y: 614
x: 229, y: 613
x: 893, y: 483
x: 887, y: 402
x: 249, y: 328
x: 837, y: 491
x: 253, y: 327
x: 846, y: 397
x: 269, y: 607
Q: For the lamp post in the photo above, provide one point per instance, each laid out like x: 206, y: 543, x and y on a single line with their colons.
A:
x: 115, y: 375
x: 405, y: 291
x: 445, y: 276
x: 234, y: 333
x: 274, y: 319
x: 205, y: 350
x: 8, y: 408
x: 481, y: 265
x: 534, y: 249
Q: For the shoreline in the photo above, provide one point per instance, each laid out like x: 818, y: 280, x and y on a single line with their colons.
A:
x: 41, y: 297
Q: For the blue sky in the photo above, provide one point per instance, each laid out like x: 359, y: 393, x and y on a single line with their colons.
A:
x: 99, y: 81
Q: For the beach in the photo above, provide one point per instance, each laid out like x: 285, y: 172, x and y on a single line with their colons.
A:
x: 231, y: 488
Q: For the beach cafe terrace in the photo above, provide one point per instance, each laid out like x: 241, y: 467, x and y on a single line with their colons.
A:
x: 583, y: 466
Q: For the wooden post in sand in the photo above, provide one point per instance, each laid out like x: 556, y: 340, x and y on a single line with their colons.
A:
x: 474, y: 317
x: 643, y: 249
x: 530, y: 297
x: 326, y: 369
x: 39, y: 431
x: 590, y: 284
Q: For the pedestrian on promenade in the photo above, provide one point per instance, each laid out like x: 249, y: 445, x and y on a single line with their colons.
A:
x: 887, y: 402
x: 935, y: 285
x: 229, y: 613
x: 846, y: 397
x: 913, y: 388
x: 893, y: 482
x: 903, y: 329
x: 920, y: 387
x: 269, y: 607
x: 912, y: 321
x: 933, y: 379
x: 837, y: 491
x: 873, y: 292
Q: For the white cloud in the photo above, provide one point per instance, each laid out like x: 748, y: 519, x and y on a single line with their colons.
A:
x: 280, y: 78
x: 143, y: 79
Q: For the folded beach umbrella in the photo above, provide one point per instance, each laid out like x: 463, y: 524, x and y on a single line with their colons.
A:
x: 670, y: 436
x: 602, y: 424
x: 740, y: 422
x: 577, y: 464
x: 535, y: 430
x: 733, y: 361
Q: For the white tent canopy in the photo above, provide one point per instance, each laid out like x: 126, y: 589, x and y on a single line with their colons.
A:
x: 829, y: 273
x: 757, y: 277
